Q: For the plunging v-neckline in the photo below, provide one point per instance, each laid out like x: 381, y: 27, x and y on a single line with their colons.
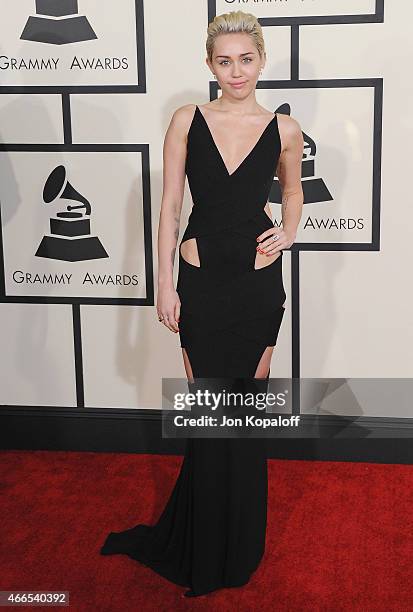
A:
x: 230, y: 174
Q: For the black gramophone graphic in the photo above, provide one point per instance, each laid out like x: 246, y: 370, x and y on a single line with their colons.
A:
x: 57, y: 23
x: 69, y: 237
x: 314, y: 189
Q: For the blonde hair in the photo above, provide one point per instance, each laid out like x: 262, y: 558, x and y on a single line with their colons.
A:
x: 235, y: 21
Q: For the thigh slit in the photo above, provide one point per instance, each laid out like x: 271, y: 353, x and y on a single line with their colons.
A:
x: 262, y: 369
x: 188, y: 366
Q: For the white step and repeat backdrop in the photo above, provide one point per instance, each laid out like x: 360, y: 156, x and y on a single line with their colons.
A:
x: 87, y: 89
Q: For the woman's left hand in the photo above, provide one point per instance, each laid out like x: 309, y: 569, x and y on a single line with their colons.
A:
x: 268, y: 245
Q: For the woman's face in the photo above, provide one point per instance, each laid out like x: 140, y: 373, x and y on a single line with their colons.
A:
x: 236, y: 61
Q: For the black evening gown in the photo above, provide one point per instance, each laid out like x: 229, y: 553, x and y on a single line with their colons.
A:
x: 211, y: 533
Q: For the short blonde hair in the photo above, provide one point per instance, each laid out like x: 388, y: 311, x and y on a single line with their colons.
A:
x: 235, y: 21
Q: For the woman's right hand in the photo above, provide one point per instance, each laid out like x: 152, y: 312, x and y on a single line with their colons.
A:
x: 168, y: 307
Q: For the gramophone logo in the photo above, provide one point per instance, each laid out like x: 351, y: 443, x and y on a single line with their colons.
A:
x: 57, y: 22
x: 314, y: 189
x: 69, y: 238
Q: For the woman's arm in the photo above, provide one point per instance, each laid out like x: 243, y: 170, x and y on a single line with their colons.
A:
x: 174, y: 155
x: 289, y: 176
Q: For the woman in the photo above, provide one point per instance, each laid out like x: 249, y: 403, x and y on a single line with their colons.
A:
x: 227, y: 307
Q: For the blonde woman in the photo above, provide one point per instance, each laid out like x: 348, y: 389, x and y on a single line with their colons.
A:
x: 227, y: 307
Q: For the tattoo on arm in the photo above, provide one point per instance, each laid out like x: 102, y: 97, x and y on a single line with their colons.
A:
x: 176, y: 230
x: 284, y: 203
x: 284, y: 199
x: 282, y: 166
x: 176, y: 234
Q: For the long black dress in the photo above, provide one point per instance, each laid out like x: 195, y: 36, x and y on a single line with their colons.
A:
x: 211, y: 533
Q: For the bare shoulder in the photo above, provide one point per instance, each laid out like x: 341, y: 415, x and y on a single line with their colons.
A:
x: 290, y: 130
x: 182, y: 117
x: 289, y: 124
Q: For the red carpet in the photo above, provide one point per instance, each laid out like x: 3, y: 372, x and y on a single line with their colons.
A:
x: 340, y: 534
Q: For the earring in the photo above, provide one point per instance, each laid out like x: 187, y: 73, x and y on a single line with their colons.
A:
x: 215, y: 76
